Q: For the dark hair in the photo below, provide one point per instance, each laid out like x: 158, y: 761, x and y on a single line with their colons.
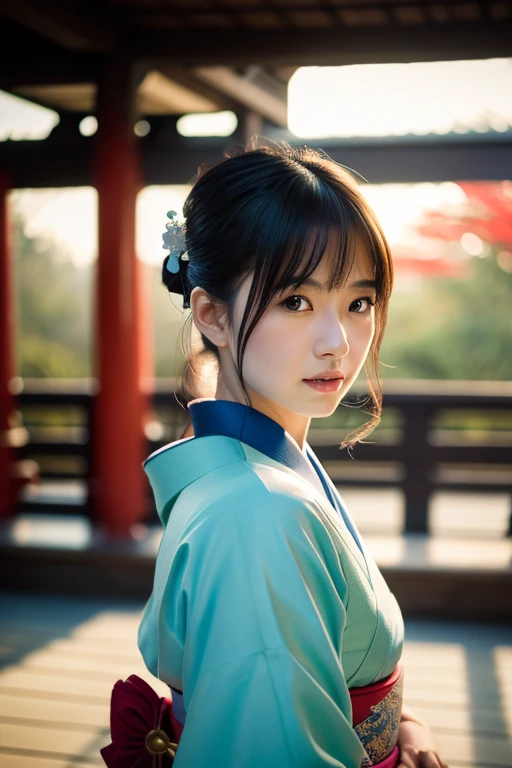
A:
x: 271, y: 208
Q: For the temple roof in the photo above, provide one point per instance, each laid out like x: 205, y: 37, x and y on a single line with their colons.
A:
x: 206, y: 55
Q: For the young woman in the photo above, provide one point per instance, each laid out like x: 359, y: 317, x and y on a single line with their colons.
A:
x: 269, y: 619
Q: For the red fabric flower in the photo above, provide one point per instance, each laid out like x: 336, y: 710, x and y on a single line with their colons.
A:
x: 140, y: 727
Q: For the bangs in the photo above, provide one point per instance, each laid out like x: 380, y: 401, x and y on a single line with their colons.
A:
x: 290, y: 251
x: 321, y: 224
x: 303, y: 256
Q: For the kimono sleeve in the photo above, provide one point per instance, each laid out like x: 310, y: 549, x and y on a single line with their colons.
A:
x: 263, y: 680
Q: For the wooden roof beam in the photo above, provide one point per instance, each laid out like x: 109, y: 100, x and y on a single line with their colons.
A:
x: 64, y: 158
x: 63, y: 23
x: 187, y: 79
x: 431, y: 41
x: 255, y: 90
x: 159, y: 94
x: 55, y: 69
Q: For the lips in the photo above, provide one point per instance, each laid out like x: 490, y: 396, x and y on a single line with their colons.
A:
x: 319, y: 385
x: 329, y: 376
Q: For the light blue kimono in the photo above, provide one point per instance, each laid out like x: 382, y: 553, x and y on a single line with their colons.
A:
x: 267, y: 606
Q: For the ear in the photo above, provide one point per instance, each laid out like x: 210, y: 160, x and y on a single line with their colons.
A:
x: 210, y: 316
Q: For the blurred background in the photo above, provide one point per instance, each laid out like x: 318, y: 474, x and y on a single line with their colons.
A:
x: 430, y: 145
x: 107, y: 110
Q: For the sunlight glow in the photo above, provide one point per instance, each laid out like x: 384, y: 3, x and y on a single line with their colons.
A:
x: 67, y: 216
x: 88, y: 126
x: 398, y: 99
x: 207, y: 124
x: 20, y: 120
x: 472, y: 244
x: 142, y: 128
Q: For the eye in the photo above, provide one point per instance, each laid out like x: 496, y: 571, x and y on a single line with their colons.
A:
x: 290, y: 299
x: 358, y: 302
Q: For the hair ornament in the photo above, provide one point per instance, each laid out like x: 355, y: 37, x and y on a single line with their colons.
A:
x: 177, y: 263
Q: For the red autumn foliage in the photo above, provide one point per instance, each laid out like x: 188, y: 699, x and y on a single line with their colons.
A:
x: 487, y: 214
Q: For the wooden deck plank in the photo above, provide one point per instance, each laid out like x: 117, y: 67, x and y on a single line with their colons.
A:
x: 49, y: 660
x: 10, y: 760
x: 54, y: 742
x: 62, y: 713
x: 19, y: 679
x: 443, y: 717
x: 80, y: 647
x: 491, y: 751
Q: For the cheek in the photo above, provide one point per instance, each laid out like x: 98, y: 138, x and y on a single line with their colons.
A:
x: 362, y: 336
x: 270, y: 347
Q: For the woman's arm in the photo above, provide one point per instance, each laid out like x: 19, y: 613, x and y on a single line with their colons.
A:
x: 418, y: 747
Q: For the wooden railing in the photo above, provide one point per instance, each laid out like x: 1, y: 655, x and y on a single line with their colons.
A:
x: 415, y: 449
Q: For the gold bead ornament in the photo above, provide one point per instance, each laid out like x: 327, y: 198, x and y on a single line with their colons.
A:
x: 159, y: 743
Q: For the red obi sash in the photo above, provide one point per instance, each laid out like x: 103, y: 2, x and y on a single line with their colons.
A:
x: 146, y: 733
x: 376, y: 713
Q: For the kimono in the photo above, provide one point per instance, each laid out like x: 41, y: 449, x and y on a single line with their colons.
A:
x: 267, y: 609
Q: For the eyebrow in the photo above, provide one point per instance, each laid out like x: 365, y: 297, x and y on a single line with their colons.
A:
x: 322, y: 286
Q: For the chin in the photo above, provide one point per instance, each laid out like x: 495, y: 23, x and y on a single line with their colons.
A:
x: 318, y: 410
x: 322, y: 411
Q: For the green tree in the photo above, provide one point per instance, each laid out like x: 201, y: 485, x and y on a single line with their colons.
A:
x: 453, y: 328
x: 53, y: 301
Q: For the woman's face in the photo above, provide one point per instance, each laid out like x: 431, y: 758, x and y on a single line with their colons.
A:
x: 304, y: 333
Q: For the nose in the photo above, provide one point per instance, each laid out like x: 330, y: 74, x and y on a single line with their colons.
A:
x: 333, y: 340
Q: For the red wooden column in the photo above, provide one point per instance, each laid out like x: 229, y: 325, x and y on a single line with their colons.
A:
x: 8, y: 486
x: 118, y: 487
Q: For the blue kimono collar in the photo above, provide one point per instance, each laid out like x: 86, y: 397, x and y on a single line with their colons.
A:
x: 250, y: 426
x: 211, y: 417
x: 242, y: 422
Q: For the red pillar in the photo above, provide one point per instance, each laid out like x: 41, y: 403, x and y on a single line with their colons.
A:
x: 118, y: 483
x: 8, y: 485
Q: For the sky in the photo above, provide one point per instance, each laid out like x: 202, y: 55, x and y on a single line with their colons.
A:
x: 396, y: 99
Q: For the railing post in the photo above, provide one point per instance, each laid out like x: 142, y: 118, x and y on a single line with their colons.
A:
x: 416, y: 457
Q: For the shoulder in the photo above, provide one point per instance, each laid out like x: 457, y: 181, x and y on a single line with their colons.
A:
x: 259, y: 506
x: 246, y: 487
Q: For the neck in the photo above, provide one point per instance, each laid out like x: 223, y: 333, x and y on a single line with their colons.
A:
x: 296, y: 425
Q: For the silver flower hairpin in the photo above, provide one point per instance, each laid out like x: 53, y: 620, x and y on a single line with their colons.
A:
x: 174, y: 242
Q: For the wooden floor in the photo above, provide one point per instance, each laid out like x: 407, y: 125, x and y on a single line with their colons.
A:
x: 60, y: 657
